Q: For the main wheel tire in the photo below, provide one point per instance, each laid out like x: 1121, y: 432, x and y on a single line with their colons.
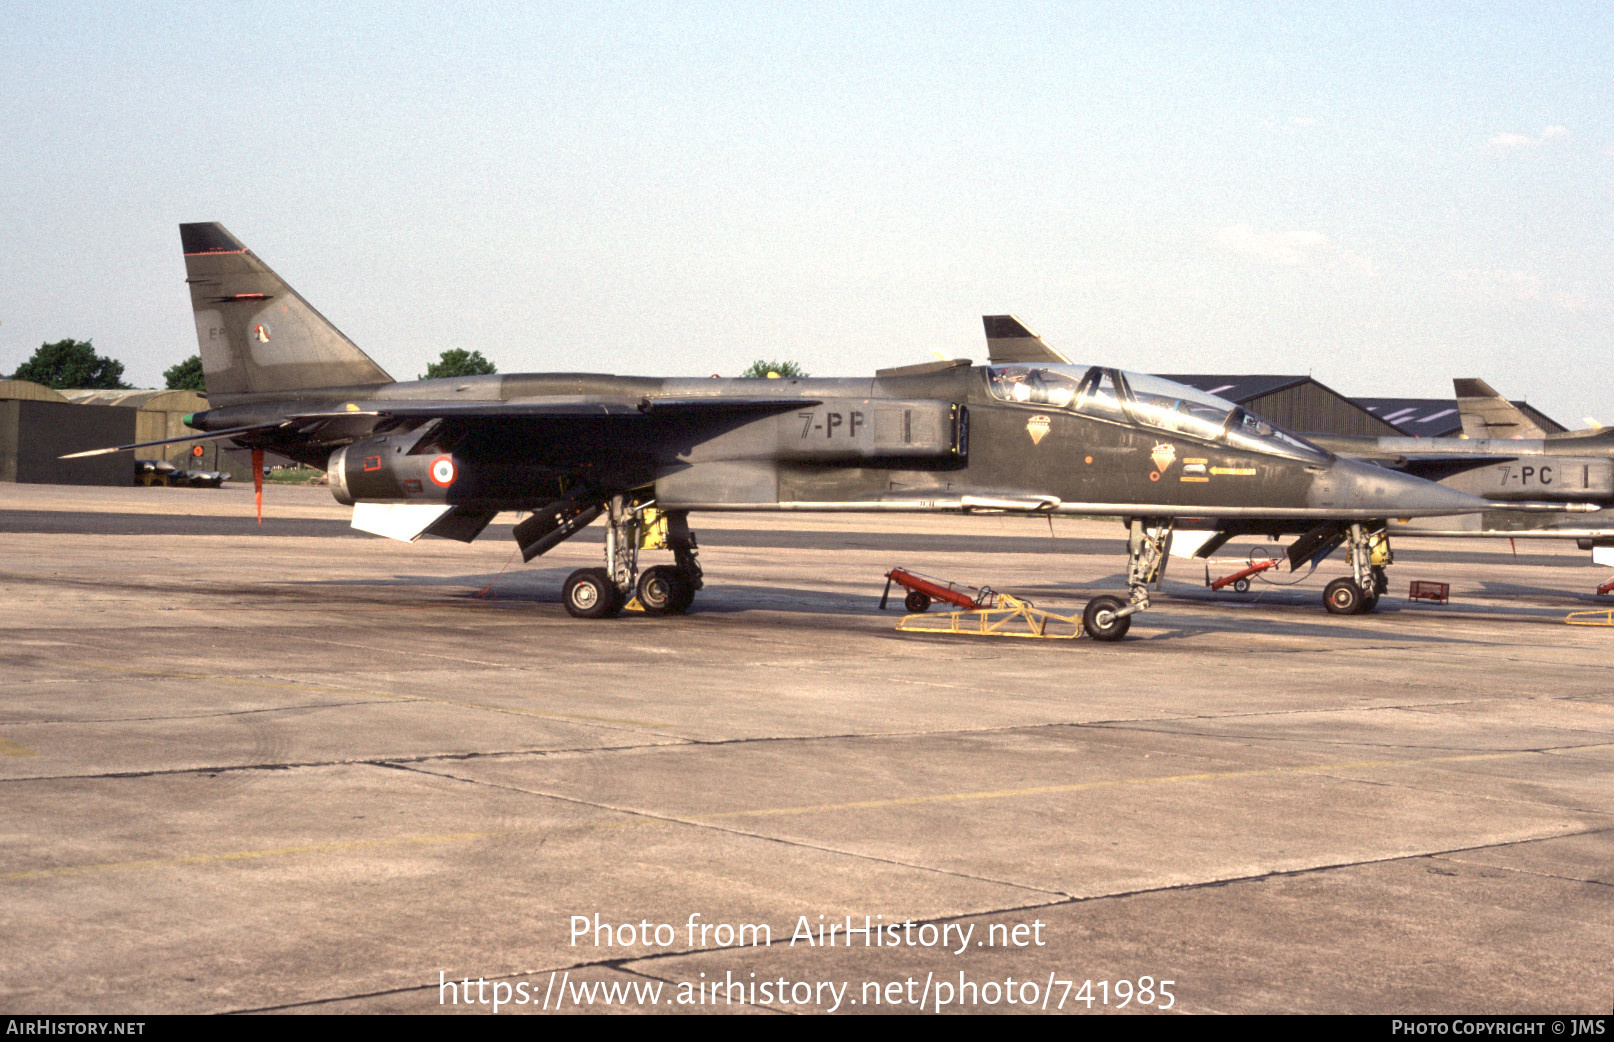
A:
x: 1369, y: 602
x: 663, y: 590
x: 916, y: 601
x: 1100, y: 621
x: 1344, y: 597
x: 686, y: 592
x: 1241, y: 585
x: 590, y: 594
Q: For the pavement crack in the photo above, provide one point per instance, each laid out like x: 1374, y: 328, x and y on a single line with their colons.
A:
x: 185, y: 716
x: 386, y: 762
x: 729, y: 830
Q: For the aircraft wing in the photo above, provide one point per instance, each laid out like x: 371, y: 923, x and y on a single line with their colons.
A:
x: 566, y: 408
x: 549, y: 408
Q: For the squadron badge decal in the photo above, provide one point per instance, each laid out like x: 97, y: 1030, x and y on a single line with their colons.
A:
x: 1162, y: 455
x: 1037, y: 426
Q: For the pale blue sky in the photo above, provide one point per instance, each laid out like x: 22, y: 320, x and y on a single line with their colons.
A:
x: 1384, y: 196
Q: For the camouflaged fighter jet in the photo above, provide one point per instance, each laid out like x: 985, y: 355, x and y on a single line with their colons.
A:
x: 1504, y: 456
x: 1518, y: 469
x: 1026, y: 434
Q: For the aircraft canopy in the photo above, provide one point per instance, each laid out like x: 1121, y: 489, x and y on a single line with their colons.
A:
x: 1137, y: 399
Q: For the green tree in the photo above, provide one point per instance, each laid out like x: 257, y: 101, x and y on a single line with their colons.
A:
x: 459, y: 362
x: 72, y: 363
x: 186, y: 376
x: 760, y: 368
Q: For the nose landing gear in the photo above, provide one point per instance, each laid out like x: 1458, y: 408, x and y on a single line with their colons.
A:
x: 1108, y: 617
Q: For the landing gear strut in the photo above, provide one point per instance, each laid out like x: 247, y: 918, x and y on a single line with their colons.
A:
x: 1369, y: 554
x: 1108, y: 617
x: 631, y: 525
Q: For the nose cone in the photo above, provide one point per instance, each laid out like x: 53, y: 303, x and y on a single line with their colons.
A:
x: 1355, y: 489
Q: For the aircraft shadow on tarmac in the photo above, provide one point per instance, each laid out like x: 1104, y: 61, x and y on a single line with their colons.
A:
x: 1292, y: 613
x: 543, y: 586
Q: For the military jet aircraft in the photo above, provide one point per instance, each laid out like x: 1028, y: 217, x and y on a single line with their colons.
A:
x: 1025, y: 434
x: 1504, y: 456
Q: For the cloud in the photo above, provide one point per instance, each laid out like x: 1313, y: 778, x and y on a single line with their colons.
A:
x: 1519, y: 142
x: 1287, y: 248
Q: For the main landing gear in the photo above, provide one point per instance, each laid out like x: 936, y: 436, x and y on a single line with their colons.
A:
x: 1360, y: 592
x: 1108, y: 617
x: 634, y: 525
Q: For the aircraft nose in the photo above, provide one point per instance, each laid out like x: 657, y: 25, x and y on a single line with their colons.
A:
x: 1359, y: 489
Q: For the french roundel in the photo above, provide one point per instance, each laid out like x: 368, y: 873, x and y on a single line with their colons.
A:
x: 443, y: 471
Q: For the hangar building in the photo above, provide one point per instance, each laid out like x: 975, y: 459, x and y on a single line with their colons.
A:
x: 1437, y: 417
x: 1297, y: 403
x: 161, y: 414
x: 37, y: 425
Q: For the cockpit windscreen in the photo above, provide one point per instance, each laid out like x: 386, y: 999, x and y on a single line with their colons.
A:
x: 1147, y: 401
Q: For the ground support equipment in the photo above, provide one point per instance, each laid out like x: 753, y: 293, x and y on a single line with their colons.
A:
x: 1009, y: 617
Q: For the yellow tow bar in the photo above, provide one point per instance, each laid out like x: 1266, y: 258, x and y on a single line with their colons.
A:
x: 1012, y: 617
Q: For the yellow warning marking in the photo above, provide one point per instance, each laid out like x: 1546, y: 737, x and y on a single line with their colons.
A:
x: 1590, y: 618
x: 1113, y: 783
x: 250, y: 855
x: 298, y: 686
x: 663, y: 818
x: 10, y: 748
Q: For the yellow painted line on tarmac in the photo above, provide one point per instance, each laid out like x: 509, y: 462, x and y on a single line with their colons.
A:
x: 289, y: 685
x: 10, y: 748
x: 1113, y: 783
x: 633, y: 818
x: 248, y: 855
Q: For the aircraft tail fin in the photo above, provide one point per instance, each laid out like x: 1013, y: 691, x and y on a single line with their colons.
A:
x: 256, y: 333
x: 1008, y: 340
x: 1487, y: 414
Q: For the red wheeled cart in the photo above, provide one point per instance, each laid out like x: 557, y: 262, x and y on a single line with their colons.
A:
x: 1240, y: 580
x: 922, y: 589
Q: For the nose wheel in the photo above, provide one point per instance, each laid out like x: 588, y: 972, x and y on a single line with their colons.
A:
x: 1108, y: 617
x: 1101, y: 618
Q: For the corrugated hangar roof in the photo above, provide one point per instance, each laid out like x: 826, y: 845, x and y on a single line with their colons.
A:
x: 27, y: 390
x: 1419, y: 417
x: 1299, y: 403
x: 1236, y: 389
x: 170, y: 400
x: 1438, y: 417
